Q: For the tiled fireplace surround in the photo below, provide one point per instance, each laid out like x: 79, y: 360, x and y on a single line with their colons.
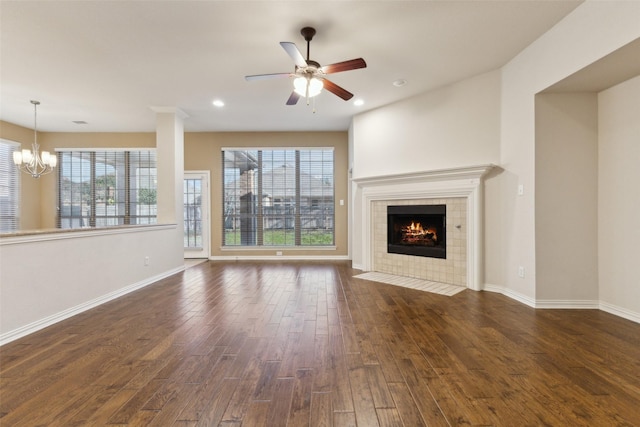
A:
x: 452, y: 270
x: 460, y: 189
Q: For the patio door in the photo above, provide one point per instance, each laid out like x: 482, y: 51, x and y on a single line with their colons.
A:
x: 196, y: 214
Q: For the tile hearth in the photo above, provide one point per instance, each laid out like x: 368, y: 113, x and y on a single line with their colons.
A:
x: 408, y: 282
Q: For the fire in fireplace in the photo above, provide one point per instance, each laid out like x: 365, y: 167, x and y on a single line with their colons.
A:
x: 418, y: 230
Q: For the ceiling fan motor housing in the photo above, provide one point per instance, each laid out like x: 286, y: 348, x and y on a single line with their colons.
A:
x: 308, y: 33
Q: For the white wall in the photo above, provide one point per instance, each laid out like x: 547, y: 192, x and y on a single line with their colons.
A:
x: 51, y: 276
x: 491, y: 119
x: 619, y: 196
x: 566, y: 198
x: 590, y: 32
x: 454, y: 126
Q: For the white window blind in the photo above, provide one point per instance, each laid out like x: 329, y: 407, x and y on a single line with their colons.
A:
x: 106, y: 188
x: 278, y: 197
x: 9, y: 188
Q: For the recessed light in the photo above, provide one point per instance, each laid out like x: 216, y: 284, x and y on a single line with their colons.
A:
x: 358, y: 102
x: 399, y: 82
x: 218, y: 103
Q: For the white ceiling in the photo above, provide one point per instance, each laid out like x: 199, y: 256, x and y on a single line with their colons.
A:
x: 109, y: 62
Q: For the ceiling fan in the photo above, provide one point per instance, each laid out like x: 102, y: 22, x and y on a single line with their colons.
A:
x: 310, y: 75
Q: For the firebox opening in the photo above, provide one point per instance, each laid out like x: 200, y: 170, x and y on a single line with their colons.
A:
x: 418, y: 230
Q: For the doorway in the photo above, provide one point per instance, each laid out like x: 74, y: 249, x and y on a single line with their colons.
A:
x: 196, y: 214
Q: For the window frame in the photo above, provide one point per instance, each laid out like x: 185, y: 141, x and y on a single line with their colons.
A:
x: 122, y: 195
x: 293, y: 201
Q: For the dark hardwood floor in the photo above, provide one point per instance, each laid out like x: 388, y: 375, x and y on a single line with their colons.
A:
x: 296, y: 344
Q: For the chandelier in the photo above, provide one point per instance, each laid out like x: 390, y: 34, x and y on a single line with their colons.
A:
x: 31, y: 161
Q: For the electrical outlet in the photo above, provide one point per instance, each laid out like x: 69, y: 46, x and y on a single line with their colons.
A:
x: 521, y: 272
x: 146, y: 261
x: 279, y: 253
x: 520, y: 190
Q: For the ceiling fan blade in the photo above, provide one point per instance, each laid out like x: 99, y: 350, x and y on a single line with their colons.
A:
x: 293, y: 99
x: 338, y: 67
x: 337, y: 90
x: 294, y: 53
x: 266, y: 76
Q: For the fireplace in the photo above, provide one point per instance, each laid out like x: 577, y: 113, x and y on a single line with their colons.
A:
x: 460, y: 189
x: 418, y: 230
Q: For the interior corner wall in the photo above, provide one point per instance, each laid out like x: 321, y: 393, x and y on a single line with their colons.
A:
x: 453, y: 126
x: 619, y: 197
x: 566, y: 198
x: 581, y: 38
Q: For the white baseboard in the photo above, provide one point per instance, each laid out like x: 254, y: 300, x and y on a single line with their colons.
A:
x: 279, y: 258
x: 620, y: 311
x: 524, y: 299
x: 575, y: 304
x: 568, y: 304
x: 13, y: 335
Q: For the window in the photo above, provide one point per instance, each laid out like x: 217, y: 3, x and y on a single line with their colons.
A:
x: 278, y: 197
x: 9, y: 188
x: 106, y: 188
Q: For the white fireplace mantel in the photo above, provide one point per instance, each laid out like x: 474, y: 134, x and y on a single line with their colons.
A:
x: 455, y: 182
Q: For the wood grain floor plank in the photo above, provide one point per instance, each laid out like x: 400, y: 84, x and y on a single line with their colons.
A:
x: 321, y: 413
x: 344, y: 419
x: 361, y: 392
x: 257, y: 413
x: 379, y: 390
x: 207, y: 390
x: 300, y: 408
x: 212, y: 414
x: 266, y: 383
x: 409, y: 412
x: 340, y: 385
x: 389, y: 417
x: 281, y: 401
x: 304, y: 343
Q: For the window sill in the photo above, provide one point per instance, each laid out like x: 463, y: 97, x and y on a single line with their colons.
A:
x: 277, y: 248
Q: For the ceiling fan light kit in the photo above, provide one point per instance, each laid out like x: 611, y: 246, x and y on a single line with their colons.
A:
x: 310, y: 75
x: 308, y: 86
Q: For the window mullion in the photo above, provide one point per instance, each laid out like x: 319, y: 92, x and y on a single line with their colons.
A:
x: 259, y: 213
x: 127, y: 188
x: 92, y: 189
x: 297, y: 223
x: 59, y: 193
